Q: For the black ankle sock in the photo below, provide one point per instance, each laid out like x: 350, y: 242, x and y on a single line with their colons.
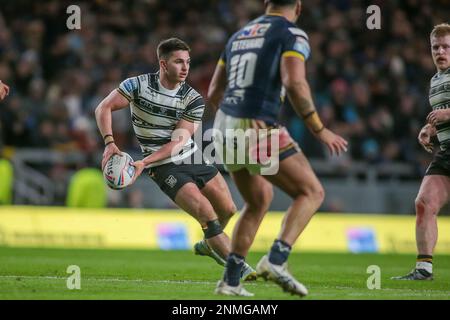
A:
x: 425, y: 258
x: 233, y: 269
x: 279, y: 252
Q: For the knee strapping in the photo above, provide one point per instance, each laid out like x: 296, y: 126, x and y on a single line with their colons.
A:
x: 213, y: 228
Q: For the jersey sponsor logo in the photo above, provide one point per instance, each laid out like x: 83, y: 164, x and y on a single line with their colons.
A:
x: 440, y: 87
x: 444, y: 106
x: 256, y: 30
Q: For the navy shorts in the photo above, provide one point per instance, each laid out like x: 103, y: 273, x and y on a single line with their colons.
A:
x: 440, y: 164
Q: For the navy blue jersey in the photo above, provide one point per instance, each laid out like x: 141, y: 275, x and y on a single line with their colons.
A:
x: 252, y: 58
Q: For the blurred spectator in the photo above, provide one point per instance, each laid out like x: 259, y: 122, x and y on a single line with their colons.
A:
x: 369, y: 85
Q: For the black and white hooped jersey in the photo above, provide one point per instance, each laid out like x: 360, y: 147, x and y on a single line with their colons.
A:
x: 156, y: 111
x: 440, y: 99
x: 252, y: 60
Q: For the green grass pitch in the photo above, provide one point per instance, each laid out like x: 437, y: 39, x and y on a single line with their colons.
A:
x: 171, y: 275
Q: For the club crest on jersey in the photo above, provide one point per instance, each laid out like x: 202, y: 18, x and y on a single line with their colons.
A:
x: 171, y: 181
x: 255, y: 30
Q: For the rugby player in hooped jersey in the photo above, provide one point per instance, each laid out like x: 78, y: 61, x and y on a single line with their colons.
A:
x: 262, y: 62
x: 162, y: 103
x: 434, y: 190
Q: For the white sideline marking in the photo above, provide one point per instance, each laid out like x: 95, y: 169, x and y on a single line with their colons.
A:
x: 112, y: 279
x: 123, y: 280
x: 413, y: 292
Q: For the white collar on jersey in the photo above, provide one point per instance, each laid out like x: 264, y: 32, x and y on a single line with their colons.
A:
x: 164, y: 89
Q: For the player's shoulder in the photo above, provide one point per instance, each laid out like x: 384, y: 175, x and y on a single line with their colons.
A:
x: 188, y: 92
x: 293, y: 29
x: 280, y: 26
x: 137, y: 80
x: 438, y: 76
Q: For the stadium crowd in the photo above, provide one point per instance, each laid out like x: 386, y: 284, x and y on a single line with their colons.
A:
x: 371, y: 86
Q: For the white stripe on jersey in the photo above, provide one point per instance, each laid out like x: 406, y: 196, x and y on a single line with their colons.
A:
x: 155, y: 112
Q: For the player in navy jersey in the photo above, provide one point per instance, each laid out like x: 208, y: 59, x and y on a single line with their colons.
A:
x: 161, y: 104
x: 4, y: 90
x: 263, y: 62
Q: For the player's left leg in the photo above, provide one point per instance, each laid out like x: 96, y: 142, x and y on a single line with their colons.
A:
x: 218, y: 194
x: 433, y: 194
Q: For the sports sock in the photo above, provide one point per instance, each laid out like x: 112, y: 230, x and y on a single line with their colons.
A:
x: 279, y: 252
x: 425, y: 262
x: 233, y: 269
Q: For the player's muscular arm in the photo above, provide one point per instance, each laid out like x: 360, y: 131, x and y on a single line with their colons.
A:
x: 114, y: 101
x: 216, y: 88
x: 184, y: 130
x: 103, y: 116
x: 293, y: 77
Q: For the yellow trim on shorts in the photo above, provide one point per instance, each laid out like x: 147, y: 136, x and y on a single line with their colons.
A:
x: 221, y: 62
x: 293, y: 54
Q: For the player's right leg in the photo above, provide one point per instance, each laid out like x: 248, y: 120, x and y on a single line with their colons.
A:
x: 297, y: 179
x: 433, y: 194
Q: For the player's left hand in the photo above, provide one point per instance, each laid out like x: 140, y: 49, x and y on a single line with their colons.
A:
x: 437, y: 116
x: 140, y: 166
x: 335, y: 143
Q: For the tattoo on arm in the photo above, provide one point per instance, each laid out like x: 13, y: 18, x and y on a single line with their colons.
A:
x: 305, y: 106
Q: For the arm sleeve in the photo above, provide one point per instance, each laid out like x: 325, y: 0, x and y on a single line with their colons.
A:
x: 128, y: 88
x: 296, y: 44
x: 194, y: 109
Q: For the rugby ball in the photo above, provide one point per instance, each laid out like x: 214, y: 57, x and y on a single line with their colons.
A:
x: 118, y: 172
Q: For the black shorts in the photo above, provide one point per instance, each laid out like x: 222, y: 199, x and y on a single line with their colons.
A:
x: 440, y: 164
x: 171, y: 177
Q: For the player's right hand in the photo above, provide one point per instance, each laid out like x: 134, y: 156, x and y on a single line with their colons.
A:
x: 4, y: 90
x: 424, y: 138
x: 140, y: 166
x: 110, y: 149
x: 335, y: 143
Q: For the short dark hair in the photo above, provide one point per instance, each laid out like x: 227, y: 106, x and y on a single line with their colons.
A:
x: 281, y: 2
x: 166, y: 47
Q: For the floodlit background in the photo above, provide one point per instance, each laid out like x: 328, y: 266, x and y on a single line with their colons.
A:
x: 371, y: 86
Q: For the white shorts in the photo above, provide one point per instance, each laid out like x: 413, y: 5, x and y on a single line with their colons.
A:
x: 251, y: 144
